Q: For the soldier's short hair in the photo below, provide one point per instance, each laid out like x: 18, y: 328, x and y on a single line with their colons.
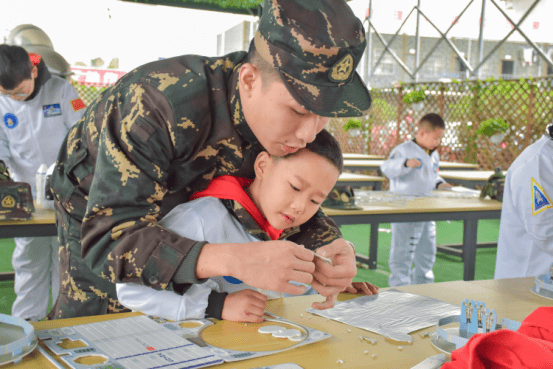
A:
x: 15, y: 66
x: 326, y: 146
x: 431, y: 121
x: 267, y: 71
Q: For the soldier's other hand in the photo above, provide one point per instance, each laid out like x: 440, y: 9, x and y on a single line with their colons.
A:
x: 270, y: 265
x: 244, y: 306
x: 331, y: 279
x: 444, y: 185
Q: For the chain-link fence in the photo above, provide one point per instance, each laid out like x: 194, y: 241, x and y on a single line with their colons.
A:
x: 525, y: 104
x: 88, y: 92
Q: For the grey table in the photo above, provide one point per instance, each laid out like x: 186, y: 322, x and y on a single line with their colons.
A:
x: 469, y: 210
x: 42, y: 224
x: 360, y: 180
x: 355, y: 164
x: 467, y: 178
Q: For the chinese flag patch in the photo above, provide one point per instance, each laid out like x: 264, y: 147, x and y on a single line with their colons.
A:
x: 77, y: 104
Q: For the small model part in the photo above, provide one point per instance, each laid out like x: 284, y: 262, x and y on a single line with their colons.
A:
x: 287, y: 333
x: 349, y: 330
x: 366, y: 352
x: 426, y: 334
x: 374, y: 356
x: 301, y: 315
x: 339, y: 361
x: 270, y: 329
x: 373, y: 341
x: 400, y: 348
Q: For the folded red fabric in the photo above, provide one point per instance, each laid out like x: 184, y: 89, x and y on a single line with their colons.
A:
x: 531, y: 346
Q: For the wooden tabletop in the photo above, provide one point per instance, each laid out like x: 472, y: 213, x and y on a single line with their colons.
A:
x: 422, y: 205
x: 510, y: 298
x: 362, y: 156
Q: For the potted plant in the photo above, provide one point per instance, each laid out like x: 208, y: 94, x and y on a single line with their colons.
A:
x: 353, y: 126
x: 494, y: 128
x: 415, y: 99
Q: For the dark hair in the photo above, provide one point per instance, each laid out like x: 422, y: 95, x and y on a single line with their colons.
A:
x: 327, y: 146
x: 268, y: 73
x: 15, y: 66
x: 431, y: 121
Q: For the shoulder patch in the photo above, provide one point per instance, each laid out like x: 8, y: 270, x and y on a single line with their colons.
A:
x: 77, y: 104
x: 540, y: 200
x: 10, y: 120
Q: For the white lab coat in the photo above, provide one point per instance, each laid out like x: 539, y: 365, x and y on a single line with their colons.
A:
x: 412, y: 242
x: 204, y: 219
x: 525, y: 244
x: 31, y: 134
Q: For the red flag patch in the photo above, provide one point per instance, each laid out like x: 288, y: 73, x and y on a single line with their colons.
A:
x: 77, y: 104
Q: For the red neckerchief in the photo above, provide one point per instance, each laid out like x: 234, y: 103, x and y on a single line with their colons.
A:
x: 233, y: 188
x: 35, y: 58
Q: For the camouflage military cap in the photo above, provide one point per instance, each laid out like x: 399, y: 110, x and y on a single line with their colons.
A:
x: 16, y: 200
x: 494, y: 186
x: 341, y: 197
x: 316, y: 45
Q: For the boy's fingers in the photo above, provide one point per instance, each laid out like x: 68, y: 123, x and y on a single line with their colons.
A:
x: 327, y: 304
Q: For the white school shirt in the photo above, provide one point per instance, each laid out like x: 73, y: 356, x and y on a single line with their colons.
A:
x: 204, y: 219
x: 32, y: 131
x: 525, y: 244
x: 414, y: 181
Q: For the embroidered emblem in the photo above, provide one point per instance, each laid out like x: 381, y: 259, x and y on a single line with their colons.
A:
x: 8, y: 202
x: 51, y: 110
x: 342, y: 70
x: 540, y: 200
x: 10, y: 120
x: 77, y: 104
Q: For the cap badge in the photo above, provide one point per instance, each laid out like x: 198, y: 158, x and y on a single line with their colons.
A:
x: 8, y: 202
x: 342, y: 70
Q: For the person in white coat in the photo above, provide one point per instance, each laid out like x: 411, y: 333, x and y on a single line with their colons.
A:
x: 412, y: 168
x: 525, y: 244
x: 37, y: 110
x: 285, y: 193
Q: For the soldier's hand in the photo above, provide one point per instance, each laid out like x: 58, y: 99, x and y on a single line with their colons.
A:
x: 244, y: 306
x: 270, y: 265
x: 331, y: 279
x: 444, y: 185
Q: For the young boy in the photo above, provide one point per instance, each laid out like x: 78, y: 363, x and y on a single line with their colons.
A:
x: 286, y: 192
x: 413, y: 169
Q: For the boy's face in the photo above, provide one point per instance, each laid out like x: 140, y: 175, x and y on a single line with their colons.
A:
x: 291, y: 190
x: 281, y: 125
x: 24, y: 89
x: 429, y: 140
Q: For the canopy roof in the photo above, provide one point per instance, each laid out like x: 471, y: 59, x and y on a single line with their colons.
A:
x: 247, y: 7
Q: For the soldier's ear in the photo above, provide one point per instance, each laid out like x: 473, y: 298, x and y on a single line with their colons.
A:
x: 249, y: 79
x: 262, y: 164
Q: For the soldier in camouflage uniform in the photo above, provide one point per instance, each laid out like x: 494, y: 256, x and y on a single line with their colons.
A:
x: 164, y: 130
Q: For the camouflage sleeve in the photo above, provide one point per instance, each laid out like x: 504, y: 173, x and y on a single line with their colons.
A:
x: 318, y: 231
x: 120, y: 238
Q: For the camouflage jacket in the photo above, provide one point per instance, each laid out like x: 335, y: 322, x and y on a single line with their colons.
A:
x: 161, y: 133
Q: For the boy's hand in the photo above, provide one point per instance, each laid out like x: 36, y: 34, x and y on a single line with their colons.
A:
x: 329, y: 280
x: 244, y: 306
x: 362, y: 287
x: 413, y: 163
x: 444, y: 185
